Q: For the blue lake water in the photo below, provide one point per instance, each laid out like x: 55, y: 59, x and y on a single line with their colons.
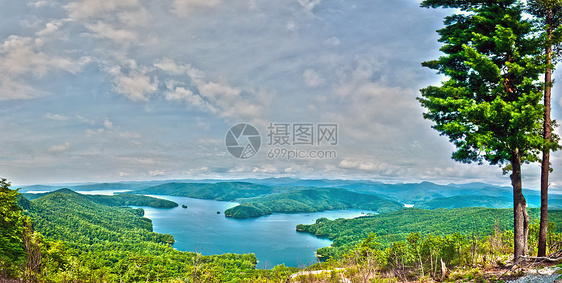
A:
x: 272, y: 238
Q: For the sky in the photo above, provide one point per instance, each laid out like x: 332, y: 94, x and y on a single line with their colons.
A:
x: 122, y: 90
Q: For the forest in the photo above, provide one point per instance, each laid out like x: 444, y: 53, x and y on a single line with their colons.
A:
x: 70, y: 238
x: 396, y: 226
x: 310, y: 200
x: 122, y: 199
x: 63, y: 236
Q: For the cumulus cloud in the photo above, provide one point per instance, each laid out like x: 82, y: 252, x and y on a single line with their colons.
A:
x: 312, y: 78
x: 181, y: 94
x: 51, y: 27
x: 137, y: 85
x: 108, y: 124
x: 215, y: 96
x: 21, y: 56
x: 103, y: 30
x: 59, y: 148
x: 140, y: 17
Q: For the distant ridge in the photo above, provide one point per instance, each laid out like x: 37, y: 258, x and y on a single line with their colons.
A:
x: 423, y: 194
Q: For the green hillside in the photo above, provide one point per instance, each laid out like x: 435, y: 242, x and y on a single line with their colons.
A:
x: 257, y: 200
x: 124, y: 199
x: 86, y: 241
x: 310, y: 200
x: 223, y: 191
x: 467, y: 201
x: 395, y: 226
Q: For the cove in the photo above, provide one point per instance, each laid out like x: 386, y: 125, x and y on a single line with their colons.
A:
x: 272, y: 238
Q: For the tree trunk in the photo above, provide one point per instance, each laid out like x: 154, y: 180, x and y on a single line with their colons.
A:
x: 545, y: 166
x: 520, y: 217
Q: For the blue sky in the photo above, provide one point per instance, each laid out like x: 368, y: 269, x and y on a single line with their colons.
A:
x: 138, y: 90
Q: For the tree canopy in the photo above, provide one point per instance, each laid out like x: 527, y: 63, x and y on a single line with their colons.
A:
x: 12, y: 250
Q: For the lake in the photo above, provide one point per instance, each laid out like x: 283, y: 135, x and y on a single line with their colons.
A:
x: 272, y: 238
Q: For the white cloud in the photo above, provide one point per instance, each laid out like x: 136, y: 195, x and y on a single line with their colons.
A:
x: 104, y: 30
x: 59, y: 148
x: 182, y: 94
x: 85, y: 120
x: 56, y: 117
x: 15, y: 88
x: 333, y: 41
x: 197, y: 171
x: 140, y: 17
x: 218, y: 97
x: 155, y: 173
x: 168, y: 65
x: 124, y: 174
x: 309, y: 4
x: 96, y: 8
x: 129, y: 135
x: 40, y: 4
x: 312, y: 78
x: 184, y: 7
x: 108, y: 124
x: 265, y: 169
x: 90, y: 132
x: 137, y: 85
x: 50, y: 27
x: 291, y: 26
x: 20, y: 56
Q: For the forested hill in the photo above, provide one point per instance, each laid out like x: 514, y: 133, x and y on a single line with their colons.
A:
x: 257, y: 200
x: 223, y: 191
x: 395, y: 226
x: 85, y: 241
x: 311, y: 200
x: 124, y: 199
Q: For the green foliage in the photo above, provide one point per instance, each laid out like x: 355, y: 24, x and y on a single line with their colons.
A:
x: 467, y: 201
x: 12, y: 250
x: 396, y: 226
x: 123, y: 199
x: 311, y: 200
x: 422, y: 257
x: 490, y: 105
x: 88, y: 240
x: 257, y: 200
x: 224, y: 191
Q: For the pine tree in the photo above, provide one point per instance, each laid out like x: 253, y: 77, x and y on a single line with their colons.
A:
x: 549, y: 15
x: 490, y: 105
